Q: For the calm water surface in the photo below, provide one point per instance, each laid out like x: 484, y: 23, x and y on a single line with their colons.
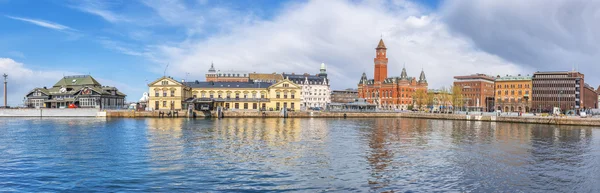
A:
x: 297, y: 155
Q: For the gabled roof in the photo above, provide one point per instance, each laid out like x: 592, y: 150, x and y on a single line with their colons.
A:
x: 77, y: 80
x: 165, y: 77
x: 43, y: 90
x: 381, y: 44
x: 285, y: 81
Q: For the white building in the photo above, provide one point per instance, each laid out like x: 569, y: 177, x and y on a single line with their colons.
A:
x: 315, y: 88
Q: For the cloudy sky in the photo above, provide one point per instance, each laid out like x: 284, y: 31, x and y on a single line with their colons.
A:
x: 128, y: 43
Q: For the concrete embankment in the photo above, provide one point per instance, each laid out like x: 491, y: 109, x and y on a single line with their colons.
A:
x: 255, y: 114
x: 43, y: 112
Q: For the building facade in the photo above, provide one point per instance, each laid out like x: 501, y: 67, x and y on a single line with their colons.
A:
x: 316, y: 92
x: 173, y: 95
x: 389, y: 92
x: 226, y: 76
x: 566, y: 90
x: 590, y: 97
x: 82, y: 91
x: 513, y: 93
x: 167, y: 93
x: 598, y: 91
x: 344, y: 96
x: 265, y: 77
x: 477, y: 91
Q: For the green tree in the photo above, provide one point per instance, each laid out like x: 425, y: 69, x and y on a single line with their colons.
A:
x: 444, y: 99
x: 420, y: 99
x: 430, y: 100
x: 457, y: 97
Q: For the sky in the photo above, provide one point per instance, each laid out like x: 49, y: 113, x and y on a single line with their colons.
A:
x: 129, y: 43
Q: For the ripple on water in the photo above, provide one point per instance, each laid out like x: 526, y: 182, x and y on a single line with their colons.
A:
x: 297, y: 155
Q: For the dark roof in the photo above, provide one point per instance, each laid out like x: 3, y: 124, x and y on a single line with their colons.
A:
x: 227, y: 84
x: 302, y: 77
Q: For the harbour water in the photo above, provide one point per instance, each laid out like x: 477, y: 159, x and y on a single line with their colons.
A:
x: 295, y: 155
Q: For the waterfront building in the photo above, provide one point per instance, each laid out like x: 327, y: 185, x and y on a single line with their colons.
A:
x: 228, y: 95
x: 82, y: 91
x: 344, y: 96
x: 360, y: 105
x: 226, y: 76
x: 477, y: 91
x: 565, y: 89
x: 598, y: 91
x: 167, y: 93
x: 265, y: 77
x: 389, y: 92
x: 513, y: 93
x: 590, y: 97
x: 316, y: 92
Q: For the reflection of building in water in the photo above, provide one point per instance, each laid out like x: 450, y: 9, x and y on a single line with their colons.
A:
x: 273, y: 132
x: 165, y: 143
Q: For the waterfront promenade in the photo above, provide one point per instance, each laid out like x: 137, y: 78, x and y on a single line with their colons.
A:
x: 487, y: 117
x: 565, y: 120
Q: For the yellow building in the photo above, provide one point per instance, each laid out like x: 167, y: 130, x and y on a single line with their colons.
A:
x: 167, y: 93
x: 513, y: 93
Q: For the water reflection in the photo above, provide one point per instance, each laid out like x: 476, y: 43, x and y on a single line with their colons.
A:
x: 306, y: 155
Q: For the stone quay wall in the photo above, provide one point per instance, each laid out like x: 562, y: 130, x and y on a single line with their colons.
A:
x: 43, y: 112
x: 315, y: 114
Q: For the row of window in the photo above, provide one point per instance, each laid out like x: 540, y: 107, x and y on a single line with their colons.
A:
x: 156, y: 93
x: 514, y: 86
x: 551, y: 76
x: 512, y: 92
x: 87, y: 102
x: 245, y: 105
x: 556, y: 95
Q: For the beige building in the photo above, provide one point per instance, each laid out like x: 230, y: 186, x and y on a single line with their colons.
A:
x: 513, y: 93
x: 169, y: 94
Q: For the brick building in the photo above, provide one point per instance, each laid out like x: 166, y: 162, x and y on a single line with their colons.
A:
x: 389, y: 92
x: 590, y: 97
x: 513, y: 93
x: 477, y: 91
x: 565, y: 89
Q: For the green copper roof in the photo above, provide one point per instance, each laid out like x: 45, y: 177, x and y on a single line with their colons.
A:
x: 78, y: 80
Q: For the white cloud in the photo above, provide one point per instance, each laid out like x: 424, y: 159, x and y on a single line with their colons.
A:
x: 119, y: 47
x: 101, y: 9
x: 22, y: 79
x: 342, y: 34
x: 538, y: 34
x: 43, y: 23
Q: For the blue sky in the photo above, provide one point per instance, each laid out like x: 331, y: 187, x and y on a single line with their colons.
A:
x: 127, y: 43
